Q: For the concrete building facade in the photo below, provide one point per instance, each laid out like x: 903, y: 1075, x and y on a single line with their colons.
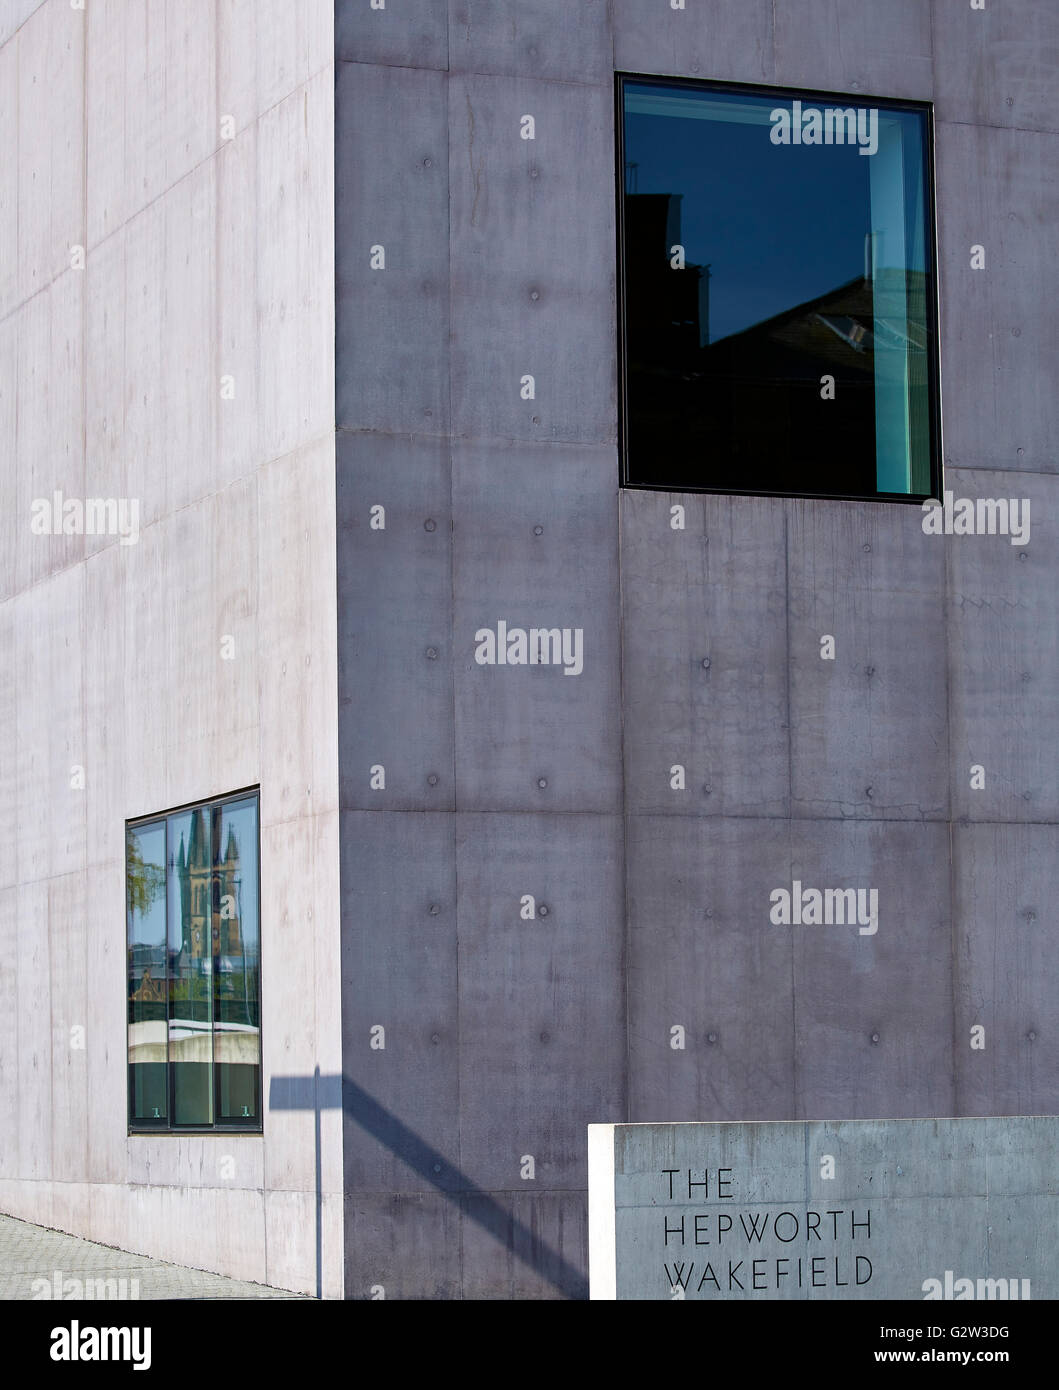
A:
x: 484, y: 901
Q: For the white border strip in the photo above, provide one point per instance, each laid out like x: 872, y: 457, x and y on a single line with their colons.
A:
x: 602, y: 1250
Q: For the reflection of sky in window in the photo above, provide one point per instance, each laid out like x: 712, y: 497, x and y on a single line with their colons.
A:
x: 150, y: 925
x: 778, y: 225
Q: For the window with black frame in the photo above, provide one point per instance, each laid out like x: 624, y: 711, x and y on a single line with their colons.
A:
x: 778, y: 313
x: 193, y: 935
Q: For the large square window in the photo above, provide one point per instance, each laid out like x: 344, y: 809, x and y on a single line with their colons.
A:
x: 193, y: 933
x: 778, y: 302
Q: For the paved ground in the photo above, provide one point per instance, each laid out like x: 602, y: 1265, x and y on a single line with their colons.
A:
x: 33, y: 1253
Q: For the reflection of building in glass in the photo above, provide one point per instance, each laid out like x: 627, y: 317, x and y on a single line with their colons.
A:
x: 750, y: 409
x: 148, y: 969
x: 665, y: 309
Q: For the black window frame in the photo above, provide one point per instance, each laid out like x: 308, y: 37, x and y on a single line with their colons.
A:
x: 781, y: 94
x: 142, y: 1128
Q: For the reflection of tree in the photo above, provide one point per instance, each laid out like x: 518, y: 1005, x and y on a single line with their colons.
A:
x: 145, y: 881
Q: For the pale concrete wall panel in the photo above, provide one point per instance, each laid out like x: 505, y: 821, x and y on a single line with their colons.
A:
x: 113, y: 782
x: 235, y: 267
x: 116, y: 387
x: 293, y: 41
x: 49, y: 430
x: 295, y: 260
x: 110, y: 26
x: 297, y: 704
x: 15, y: 533
x: 106, y: 1040
x: 51, y: 813
x: 9, y: 683
x: 13, y: 14
x: 195, y: 1160
x: 188, y: 770
x: 230, y: 627
x: 34, y: 1033
x: 290, y: 1237
x: 299, y: 943
x: 67, y: 927
x: 265, y: 50
x: 51, y: 212
x: 207, y: 1228
x: 237, y: 60
x: 146, y: 642
x: 119, y: 663
x: 126, y: 451
x: 10, y: 290
x: 152, y: 104
x: 10, y: 1067
x: 188, y: 336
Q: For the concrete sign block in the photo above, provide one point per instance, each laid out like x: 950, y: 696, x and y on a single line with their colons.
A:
x: 946, y: 1209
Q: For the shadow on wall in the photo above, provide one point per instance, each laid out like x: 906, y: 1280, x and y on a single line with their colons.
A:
x: 334, y: 1092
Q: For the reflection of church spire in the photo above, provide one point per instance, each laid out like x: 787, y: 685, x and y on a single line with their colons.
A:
x: 210, y: 890
x: 193, y: 869
x: 230, y: 885
x: 185, y: 897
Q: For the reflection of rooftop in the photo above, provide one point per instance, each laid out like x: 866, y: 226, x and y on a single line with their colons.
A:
x: 858, y: 313
x: 189, y: 1041
x: 743, y: 412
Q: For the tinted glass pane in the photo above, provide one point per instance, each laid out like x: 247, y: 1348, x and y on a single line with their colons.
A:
x: 190, y: 967
x: 776, y: 268
x: 146, y: 938
x: 236, y: 965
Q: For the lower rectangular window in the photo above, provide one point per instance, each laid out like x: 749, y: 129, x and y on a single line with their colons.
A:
x: 193, y: 930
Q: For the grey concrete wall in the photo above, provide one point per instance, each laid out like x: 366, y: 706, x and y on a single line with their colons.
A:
x: 505, y: 1037
x: 204, y: 256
